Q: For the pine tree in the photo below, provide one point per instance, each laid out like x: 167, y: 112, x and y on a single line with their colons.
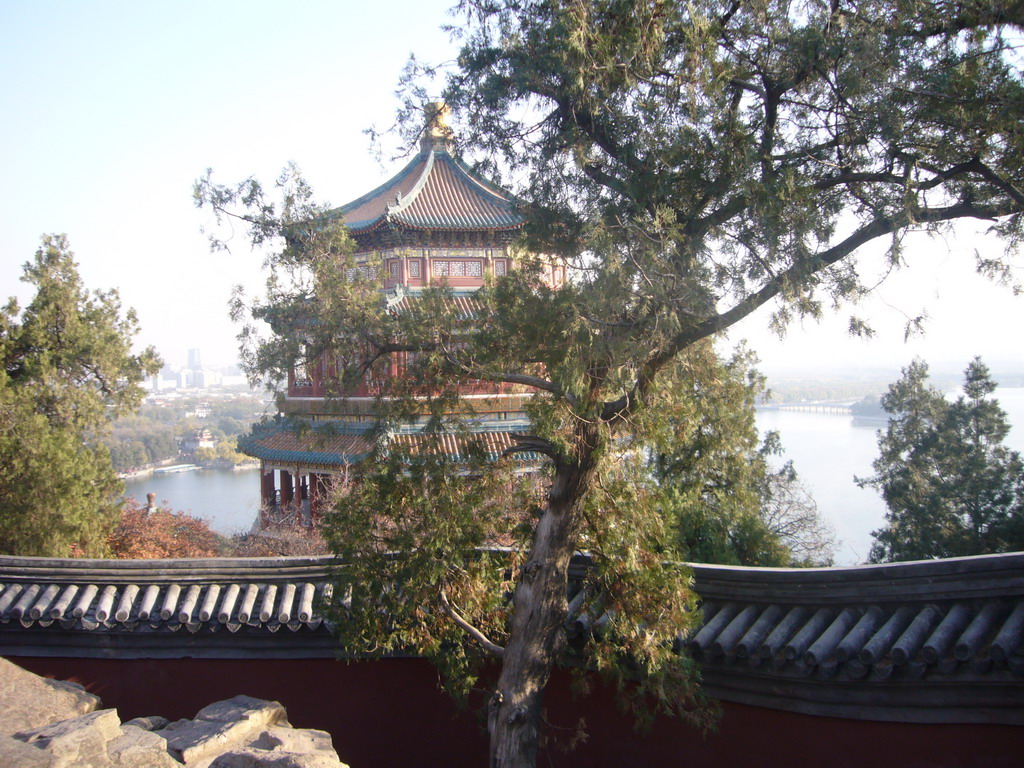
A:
x: 714, y: 476
x: 951, y: 486
x: 690, y: 163
x: 68, y: 369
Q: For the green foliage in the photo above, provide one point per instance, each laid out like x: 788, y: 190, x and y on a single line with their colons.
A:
x: 726, y: 501
x: 951, y: 486
x: 419, y: 537
x: 137, y: 440
x: 224, y: 453
x: 154, y: 433
x: 67, y: 370
x: 689, y: 163
x: 432, y: 548
x: 720, y: 155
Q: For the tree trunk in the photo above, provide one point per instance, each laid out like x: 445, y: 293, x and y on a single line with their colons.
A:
x: 537, y: 625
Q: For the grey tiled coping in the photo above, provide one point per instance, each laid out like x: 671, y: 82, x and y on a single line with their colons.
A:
x: 930, y: 641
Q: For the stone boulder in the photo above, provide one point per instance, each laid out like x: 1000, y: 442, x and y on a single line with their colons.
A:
x: 17, y: 754
x: 30, y: 701
x: 242, y: 732
x: 98, y: 740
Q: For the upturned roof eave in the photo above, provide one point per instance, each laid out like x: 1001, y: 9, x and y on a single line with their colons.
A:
x: 425, y: 161
x: 380, y: 191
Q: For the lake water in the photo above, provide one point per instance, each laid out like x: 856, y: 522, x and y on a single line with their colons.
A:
x: 227, y: 500
x: 827, y: 451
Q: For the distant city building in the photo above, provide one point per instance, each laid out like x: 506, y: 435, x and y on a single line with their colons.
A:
x: 195, y: 361
x: 204, y: 378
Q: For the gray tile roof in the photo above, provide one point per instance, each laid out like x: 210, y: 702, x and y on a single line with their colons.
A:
x: 933, y: 641
x: 935, y: 636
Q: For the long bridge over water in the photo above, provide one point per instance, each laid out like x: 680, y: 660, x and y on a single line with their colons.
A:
x: 828, y: 408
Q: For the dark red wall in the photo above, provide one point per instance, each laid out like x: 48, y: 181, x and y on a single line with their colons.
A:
x: 391, y: 714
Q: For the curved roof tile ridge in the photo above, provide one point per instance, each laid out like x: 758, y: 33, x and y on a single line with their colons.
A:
x: 368, y: 209
x: 931, y: 641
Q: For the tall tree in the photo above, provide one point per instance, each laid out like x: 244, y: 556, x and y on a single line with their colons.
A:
x: 68, y: 369
x: 952, y: 487
x: 716, y: 482
x: 691, y: 163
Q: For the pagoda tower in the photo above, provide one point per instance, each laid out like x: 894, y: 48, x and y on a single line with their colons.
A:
x: 435, y: 222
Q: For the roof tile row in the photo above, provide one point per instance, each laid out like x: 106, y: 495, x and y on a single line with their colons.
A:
x: 860, y: 640
x: 921, y: 638
x: 92, y: 606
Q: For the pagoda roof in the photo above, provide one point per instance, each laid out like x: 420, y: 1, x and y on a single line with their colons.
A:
x: 334, y: 444
x: 282, y: 441
x: 434, y: 191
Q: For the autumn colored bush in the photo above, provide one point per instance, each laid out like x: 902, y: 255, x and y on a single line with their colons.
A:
x: 279, y: 541
x: 150, y: 534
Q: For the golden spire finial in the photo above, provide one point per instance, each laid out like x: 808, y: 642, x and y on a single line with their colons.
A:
x: 437, y: 130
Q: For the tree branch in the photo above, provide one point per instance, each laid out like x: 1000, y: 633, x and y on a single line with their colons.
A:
x: 510, y: 377
x: 491, y: 647
x: 532, y: 443
x: 795, y: 274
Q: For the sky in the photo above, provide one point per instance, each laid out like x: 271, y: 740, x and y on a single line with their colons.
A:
x: 111, y: 110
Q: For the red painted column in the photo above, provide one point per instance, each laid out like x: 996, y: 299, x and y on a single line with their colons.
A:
x: 298, y: 499
x: 287, y: 488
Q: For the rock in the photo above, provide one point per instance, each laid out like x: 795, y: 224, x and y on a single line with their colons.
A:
x: 259, y: 712
x: 80, y: 742
x: 259, y: 758
x: 278, y: 747
x: 30, y: 701
x: 242, y: 732
x: 221, y: 726
x: 18, y: 754
x: 150, y: 723
x: 139, y: 748
x: 294, y: 740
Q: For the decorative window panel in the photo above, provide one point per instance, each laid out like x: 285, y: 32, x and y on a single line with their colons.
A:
x: 500, y: 267
x: 414, y: 268
x: 394, y: 269
x: 360, y: 273
x: 457, y: 268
